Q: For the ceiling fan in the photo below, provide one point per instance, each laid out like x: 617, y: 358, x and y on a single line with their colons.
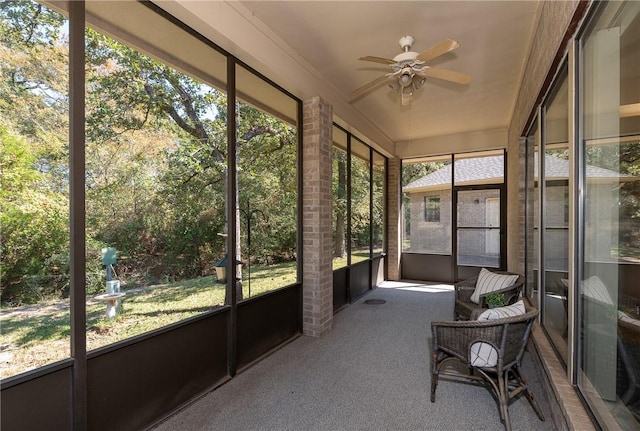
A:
x: 409, y: 71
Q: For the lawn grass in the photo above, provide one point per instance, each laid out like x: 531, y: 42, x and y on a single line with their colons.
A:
x: 341, y: 262
x: 33, y: 336
x: 38, y: 335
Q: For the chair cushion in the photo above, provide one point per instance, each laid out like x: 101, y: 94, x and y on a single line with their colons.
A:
x: 484, y: 354
x: 500, y: 312
x: 489, y: 282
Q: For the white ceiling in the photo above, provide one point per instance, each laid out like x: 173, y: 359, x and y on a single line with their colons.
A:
x: 327, y: 37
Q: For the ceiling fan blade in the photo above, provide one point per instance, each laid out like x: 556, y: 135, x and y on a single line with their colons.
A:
x: 369, y: 86
x: 443, y: 47
x: 377, y: 59
x: 448, y: 75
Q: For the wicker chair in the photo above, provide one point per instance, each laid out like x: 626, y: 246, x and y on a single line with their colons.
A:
x: 465, y: 309
x: 628, y: 375
x: 452, y: 342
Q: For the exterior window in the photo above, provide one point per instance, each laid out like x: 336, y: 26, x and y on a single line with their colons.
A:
x: 555, y: 213
x: 432, y: 208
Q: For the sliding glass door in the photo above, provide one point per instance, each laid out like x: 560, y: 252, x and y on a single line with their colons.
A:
x: 609, y: 296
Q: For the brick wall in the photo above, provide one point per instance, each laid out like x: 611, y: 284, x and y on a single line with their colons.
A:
x: 317, y: 281
x: 554, y: 20
x: 555, y: 17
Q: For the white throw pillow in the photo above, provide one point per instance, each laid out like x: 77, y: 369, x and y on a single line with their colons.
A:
x: 500, y: 312
x: 484, y: 354
x: 594, y: 288
x: 626, y: 318
x: 489, y: 282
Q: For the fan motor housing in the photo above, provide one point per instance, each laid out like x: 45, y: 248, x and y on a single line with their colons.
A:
x: 406, y: 57
x: 406, y: 42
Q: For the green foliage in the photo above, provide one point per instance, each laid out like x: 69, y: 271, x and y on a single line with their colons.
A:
x: 34, y: 223
x: 496, y: 299
x: 360, y: 203
x: 267, y: 185
x: 156, y: 164
x: 33, y: 81
x: 625, y: 159
x: 415, y: 171
x: 339, y: 186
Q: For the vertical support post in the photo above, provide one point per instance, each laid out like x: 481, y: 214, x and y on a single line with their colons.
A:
x: 317, y: 218
x: 394, y: 218
x: 77, y: 211
x: 232, y: 210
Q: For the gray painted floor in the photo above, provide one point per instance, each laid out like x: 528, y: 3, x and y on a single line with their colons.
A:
x: 371, y: 372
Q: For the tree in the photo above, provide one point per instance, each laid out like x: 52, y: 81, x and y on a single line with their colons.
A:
x: 34, y: 228
x: 156, y: 149
x: 339, y: 202
x: 33, y: 124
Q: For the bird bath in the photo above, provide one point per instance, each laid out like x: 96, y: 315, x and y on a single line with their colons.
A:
x: 111, y: 299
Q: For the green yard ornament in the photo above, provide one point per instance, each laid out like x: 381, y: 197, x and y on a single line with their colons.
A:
x: 109, y: 256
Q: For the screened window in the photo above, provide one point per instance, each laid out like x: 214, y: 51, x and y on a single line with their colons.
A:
x: 157, y: 179
x: 339, y: 191
x: 34, y: 162
x: 378, y: 203
x: 426, y: 205
x: 360, y: 199
x: 156, y: 160
x: 266, y: 153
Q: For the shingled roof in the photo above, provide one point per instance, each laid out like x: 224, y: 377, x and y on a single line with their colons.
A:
x: 490, y: 170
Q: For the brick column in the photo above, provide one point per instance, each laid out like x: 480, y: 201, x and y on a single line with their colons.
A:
x: 317, y: 201
x: 394, y: 218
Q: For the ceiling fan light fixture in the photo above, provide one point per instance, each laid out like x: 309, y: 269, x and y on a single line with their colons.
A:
x: 405, y: 79
x: 418, y: 82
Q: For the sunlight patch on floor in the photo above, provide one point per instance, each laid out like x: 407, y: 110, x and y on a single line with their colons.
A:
x: 416, y: 286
